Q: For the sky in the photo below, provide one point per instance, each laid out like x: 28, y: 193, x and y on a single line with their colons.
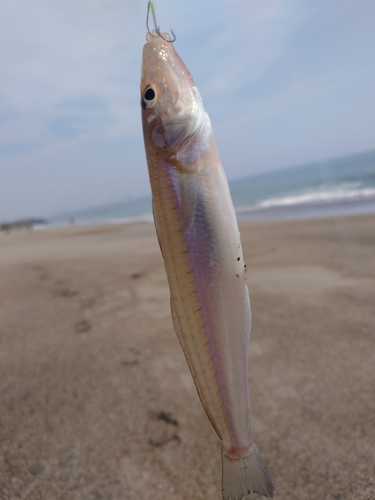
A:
x: 285, y: 82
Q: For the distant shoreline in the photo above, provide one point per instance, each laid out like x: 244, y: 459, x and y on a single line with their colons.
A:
x: 316, y: 210
x: 22, y: 224
x: 342, y: 186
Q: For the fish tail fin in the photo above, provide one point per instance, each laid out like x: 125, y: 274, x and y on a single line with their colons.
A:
x: 243, y: 476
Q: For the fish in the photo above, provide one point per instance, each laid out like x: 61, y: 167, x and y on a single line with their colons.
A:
x: 198, y: 234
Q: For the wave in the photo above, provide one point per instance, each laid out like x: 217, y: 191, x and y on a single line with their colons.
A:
x: 326, y: 194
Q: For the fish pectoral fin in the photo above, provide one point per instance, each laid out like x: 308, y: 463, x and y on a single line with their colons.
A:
x: 188, y: 187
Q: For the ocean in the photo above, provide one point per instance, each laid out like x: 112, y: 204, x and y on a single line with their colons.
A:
x: 340, y: 186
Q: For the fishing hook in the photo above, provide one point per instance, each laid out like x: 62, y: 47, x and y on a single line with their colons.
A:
x: 150, y: 7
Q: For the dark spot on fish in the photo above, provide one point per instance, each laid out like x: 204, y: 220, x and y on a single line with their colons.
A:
x: 238, y: 258
x: 237, y: 275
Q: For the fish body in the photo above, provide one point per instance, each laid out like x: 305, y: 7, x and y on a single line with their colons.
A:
x: 200, y: 242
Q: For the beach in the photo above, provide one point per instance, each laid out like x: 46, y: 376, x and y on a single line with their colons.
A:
x: 97, y: 402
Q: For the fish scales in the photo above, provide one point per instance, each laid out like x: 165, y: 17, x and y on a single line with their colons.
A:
x: 200, y: 243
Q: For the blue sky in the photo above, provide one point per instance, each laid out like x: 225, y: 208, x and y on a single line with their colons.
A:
x: 285, y: 82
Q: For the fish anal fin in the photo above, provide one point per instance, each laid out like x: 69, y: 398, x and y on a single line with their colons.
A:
x: 247, y: 316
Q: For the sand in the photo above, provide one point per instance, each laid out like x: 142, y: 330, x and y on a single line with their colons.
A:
x: 97, y: 402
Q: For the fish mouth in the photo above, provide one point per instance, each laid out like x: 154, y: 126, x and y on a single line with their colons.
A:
x: 151, y: 35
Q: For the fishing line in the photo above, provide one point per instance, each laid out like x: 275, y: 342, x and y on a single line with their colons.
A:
x: 150, y: 7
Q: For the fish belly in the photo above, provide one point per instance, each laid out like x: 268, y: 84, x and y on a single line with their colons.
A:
x: 200, y: 242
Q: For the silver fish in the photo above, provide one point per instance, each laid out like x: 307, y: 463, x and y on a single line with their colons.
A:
x: 200, y: 242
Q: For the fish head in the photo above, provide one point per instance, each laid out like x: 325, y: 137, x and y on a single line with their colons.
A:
x: 172, y: 109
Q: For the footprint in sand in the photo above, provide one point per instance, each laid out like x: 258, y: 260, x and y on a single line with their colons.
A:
x: 130, y: 357
x: 83, y: 326
x: 66, y: 292
x: 162, y: 429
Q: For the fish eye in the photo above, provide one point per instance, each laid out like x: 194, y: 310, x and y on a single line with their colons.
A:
x: 149, y: 94
x: 148, y: 97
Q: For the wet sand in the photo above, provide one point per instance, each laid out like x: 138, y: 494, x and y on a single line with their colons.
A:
x: 97, y: 402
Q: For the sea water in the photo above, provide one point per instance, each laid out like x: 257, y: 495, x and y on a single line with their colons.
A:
x: 341, y: 186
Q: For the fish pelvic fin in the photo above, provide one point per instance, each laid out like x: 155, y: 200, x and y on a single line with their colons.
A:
x: 243, y: 476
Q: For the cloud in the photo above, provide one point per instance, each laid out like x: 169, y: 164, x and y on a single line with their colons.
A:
x: 78, y: 116
x: 59, y: 51
x: 248, y: 43
x: 70, y: 131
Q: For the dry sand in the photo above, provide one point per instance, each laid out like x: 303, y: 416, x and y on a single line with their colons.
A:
x: 97, y: 402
